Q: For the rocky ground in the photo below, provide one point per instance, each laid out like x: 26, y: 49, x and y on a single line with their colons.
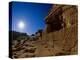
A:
x: 37, y: 47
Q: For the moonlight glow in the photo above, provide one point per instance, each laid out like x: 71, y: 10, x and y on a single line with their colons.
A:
x: 21, y: 25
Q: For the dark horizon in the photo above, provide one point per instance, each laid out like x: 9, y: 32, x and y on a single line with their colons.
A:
x: 31, y: 14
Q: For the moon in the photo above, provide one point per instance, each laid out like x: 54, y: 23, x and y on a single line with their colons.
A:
x: 21, y: 25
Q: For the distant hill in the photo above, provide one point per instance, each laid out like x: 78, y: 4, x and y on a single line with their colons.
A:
x: 15, y: 35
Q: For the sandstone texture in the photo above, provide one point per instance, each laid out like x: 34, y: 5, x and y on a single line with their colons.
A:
x: 60, y: 36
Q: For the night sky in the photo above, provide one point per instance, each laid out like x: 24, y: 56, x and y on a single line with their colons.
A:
x: 32, y: 14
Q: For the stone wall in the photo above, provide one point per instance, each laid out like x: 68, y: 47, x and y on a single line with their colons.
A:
x: 61, y: 29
